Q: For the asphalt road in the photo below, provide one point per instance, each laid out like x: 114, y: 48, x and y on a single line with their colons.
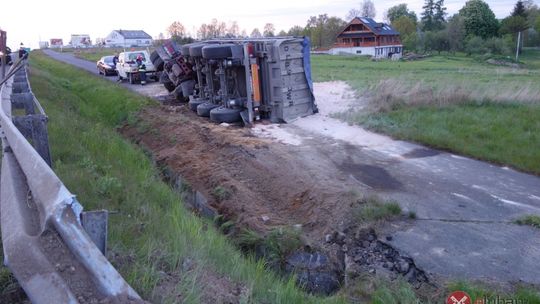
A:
x: 152, y: 89
x: 465, y: 208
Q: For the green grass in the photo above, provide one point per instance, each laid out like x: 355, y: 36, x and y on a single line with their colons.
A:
x: 454, y: 103
x: 504, y: 134
x: 531, y: 220
x: 151, y: 232
x: 372, y: 208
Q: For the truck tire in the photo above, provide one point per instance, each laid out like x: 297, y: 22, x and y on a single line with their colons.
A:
x: 204, y: 108
x: 159, y: 64
x: 221, y: 51
x: 194, y: 103
x: 223, y: 114
x: 154, y: 56
x: 177, y: 92
x: 196, y: 50
x: 185, y: 49
x: 167, y: 83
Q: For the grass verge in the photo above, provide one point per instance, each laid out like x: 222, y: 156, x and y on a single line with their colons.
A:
x: 500, y: 133
x: 152, y: 235
x: 531, y: 220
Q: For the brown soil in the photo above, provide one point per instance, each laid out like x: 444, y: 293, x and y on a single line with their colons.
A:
x: 266, y: 183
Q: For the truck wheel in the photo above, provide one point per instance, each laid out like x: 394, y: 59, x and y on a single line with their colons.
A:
x: 177, y: 92
x: 194, y: 103
x: 131, y: 78
x: 196, y: 50
x: 223, y: 114
x: 159, y: 64
x: 185, y: 49
x: 204, y: 108
x: 221, y: 51
x: 169, y: 86
x: 154, y: 56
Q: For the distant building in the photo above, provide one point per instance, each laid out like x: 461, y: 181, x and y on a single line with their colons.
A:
x: 44, y: 44
x: 56, y: 43
x: 80, y: 41
x: 123, y: 38
x: 364, y: 36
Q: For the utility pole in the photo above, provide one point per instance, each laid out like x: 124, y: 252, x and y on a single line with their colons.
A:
x: 517, y: 48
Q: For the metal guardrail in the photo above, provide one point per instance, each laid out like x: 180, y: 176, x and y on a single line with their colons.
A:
x: 34, y: 202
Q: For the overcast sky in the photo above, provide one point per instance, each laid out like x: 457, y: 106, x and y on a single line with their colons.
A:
x: 34, y: 20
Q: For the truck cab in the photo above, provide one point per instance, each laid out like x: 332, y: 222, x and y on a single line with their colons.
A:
x: 127, y: 66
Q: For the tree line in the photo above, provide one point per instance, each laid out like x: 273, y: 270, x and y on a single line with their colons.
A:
x: 474, y: 29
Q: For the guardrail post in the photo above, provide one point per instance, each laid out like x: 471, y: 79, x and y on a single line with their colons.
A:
x: 34, y: 127
x: 95, y: 224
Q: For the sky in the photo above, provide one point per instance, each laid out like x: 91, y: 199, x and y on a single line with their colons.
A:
x: 41, y: 20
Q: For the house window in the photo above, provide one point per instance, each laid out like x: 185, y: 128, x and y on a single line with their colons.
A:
x: 138, y: 42
x: 369, y: 39
x: 147, y: 42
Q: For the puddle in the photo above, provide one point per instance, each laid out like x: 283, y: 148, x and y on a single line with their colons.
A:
x: 421, y: 152
x: 373, y: 176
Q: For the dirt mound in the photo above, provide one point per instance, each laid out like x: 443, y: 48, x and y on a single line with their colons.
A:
x: 254, y: 181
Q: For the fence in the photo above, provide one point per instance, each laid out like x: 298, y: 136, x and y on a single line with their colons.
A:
x: 40, y: 219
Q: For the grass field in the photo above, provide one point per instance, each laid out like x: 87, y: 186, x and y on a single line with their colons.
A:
x: 455, y: 103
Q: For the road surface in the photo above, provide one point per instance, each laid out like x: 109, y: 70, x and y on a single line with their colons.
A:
x: 465, y: 208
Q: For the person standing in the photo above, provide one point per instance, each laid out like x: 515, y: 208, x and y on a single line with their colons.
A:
x: 142, y: 69
x: 22, y: 52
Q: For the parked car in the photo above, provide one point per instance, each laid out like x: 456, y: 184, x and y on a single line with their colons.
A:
x: 106, y: 66
x: 127, y: 67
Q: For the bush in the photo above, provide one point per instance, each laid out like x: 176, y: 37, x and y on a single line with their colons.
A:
x: 475, y: 45
x: 497, y: 46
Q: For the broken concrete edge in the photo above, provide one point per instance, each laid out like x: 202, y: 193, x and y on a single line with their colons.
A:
x: 322, y: 270
x: 56, y: 208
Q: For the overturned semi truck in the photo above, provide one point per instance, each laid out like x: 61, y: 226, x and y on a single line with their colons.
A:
x: 231, y: 80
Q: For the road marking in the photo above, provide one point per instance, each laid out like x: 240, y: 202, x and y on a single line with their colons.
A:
x: 513, y: 203
x: 534, y: 197
x: 463, y: 197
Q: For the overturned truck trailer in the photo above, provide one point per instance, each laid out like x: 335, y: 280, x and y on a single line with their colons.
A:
x: 232, y: 80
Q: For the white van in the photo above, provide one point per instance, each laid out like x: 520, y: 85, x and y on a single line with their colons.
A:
x: 127, y: 67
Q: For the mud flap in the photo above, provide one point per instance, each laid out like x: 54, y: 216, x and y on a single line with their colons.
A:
x: 245, y: 118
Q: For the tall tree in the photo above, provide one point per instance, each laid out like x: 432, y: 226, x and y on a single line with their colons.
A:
x: 282, y: 33
x: 269, y: 30
x: 176, y: 30
x: 433, y: 15
x: 367, y: 9
x: 255, y: 33
x: 233, y: 30
x: 296, y: 31
x: 479, y: 19
x: 537, y: 24
x: 455, y: 30
x: 400, y: 10
x: 323, y: 30
x: 404, y: 25
x: 440, y: 14
x: 214, y: 29
x: 519, y: 10
x: 353, y: 13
